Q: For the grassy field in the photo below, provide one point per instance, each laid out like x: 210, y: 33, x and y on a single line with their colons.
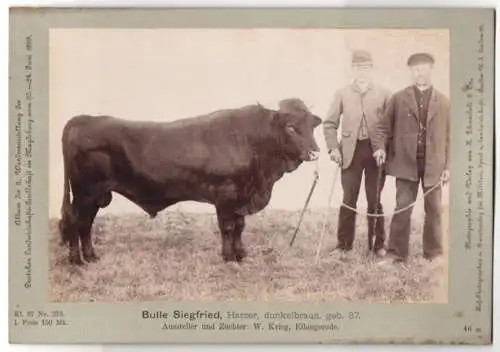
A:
x: 176, y: 256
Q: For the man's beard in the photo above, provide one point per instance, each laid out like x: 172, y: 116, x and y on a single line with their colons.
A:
x: 362, y: 83
x: 422, y: 81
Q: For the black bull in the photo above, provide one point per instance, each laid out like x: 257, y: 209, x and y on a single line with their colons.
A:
x: 229, y: 158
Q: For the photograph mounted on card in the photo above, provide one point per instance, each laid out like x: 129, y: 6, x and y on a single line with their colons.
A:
x: 250, y: 175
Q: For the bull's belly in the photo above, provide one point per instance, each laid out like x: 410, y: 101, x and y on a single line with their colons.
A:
x: 243, y: 203
x: 153, y: 198
x: 246, y: 195
x: 253, y: 203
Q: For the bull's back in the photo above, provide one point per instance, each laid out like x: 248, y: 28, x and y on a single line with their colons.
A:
x: 212, y: 128
x: 215, y: 144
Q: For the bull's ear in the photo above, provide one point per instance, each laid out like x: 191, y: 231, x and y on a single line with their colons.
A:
x: 316, y: 121
x: 280, y: 119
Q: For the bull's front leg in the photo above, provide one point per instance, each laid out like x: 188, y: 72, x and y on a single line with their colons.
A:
x: 238, y: 247
x: 231, y: 226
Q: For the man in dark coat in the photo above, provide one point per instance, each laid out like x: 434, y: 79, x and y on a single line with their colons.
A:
x: 357, y: 109
x: 415, y: 131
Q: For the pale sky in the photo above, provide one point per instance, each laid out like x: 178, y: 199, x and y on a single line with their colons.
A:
x: 168, y: 74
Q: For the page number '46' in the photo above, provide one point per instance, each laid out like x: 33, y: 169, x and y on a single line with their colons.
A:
x: 468, y: 329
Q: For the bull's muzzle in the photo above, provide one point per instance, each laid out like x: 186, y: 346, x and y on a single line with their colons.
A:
x: 313, y: 155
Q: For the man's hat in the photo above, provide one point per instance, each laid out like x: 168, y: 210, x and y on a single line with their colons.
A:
x: 420, y: 58
x: 360, y: 57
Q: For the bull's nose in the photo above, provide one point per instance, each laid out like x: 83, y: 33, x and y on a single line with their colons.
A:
x: 313, y: 155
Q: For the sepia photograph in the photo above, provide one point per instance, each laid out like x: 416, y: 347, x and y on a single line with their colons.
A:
x: 249, y: 164
x: 251, y: 176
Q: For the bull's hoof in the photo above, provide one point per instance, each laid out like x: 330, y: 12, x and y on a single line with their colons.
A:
x: 229, y: 257
x: 76, y: 260
x: 91, y: 258
x: 63, y: 240
x: 63, y: 243
x: 240, y: 254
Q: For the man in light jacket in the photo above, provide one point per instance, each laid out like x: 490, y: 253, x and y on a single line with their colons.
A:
x: 357, y: 108
x: 415, y: 131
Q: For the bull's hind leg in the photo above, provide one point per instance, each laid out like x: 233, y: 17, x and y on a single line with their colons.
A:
x: 89, y: 212
x: 68, y: 229
x: 74, y: 249
x: 88, y: 217
x: 231, y: 226
x: 66, y: 226
x: 69, y: 233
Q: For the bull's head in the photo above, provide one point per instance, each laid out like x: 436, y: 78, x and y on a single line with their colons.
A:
x: 296, y: 124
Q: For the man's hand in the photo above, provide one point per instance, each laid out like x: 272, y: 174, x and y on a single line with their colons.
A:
x: 379, y: 156
x: 445, y: 176
x: 336, y: 156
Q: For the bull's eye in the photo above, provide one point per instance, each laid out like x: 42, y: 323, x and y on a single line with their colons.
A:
x: 290, y: 128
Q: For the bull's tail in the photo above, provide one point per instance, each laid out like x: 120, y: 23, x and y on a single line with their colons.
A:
x: 66, y: 207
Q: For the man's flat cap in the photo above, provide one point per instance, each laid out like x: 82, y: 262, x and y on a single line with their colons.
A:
x: 420, y: 58
x: 361, y: 57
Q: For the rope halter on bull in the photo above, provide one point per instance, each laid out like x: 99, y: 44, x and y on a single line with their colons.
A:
x: 441, y: 183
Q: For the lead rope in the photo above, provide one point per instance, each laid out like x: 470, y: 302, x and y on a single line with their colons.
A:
x: 439, y: 184
x: 320, y: 243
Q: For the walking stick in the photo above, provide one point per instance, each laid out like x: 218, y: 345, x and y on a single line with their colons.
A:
x: 325, y: 216
x: 375, y: 220
x: 316, y: 176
